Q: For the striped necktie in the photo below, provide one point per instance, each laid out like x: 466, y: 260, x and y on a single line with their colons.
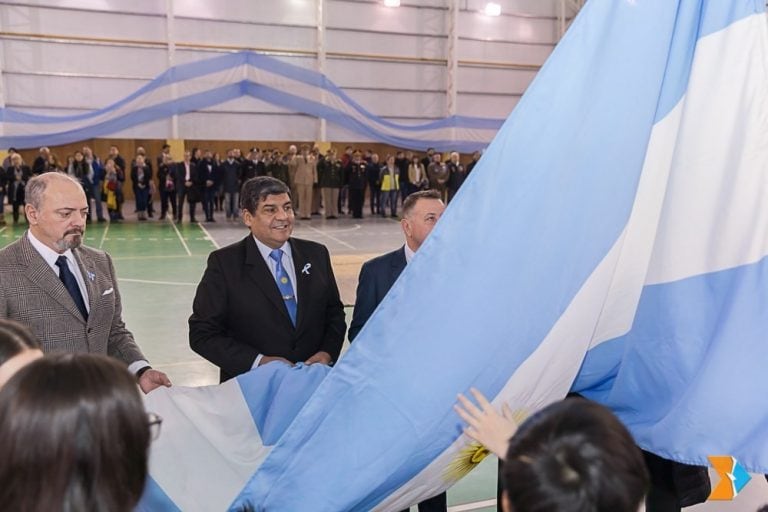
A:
x: 284, y: 284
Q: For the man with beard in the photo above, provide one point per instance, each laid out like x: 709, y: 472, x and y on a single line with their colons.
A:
x: 65, y: 293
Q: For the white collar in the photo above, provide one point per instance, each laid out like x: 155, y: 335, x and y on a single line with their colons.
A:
x: 409, y: 253
x: 49, y: 255
x: 265, y: 250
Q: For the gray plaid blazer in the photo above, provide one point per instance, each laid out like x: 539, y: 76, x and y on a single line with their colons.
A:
x: 31, y: 293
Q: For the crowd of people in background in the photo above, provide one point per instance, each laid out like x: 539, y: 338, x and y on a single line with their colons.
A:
x: 321, y: 184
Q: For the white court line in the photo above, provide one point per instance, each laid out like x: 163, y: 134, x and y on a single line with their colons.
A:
x: 207, y: 234
x: 342, y: 242
x: 345, y: 230
x: 185, y: 363
x: 4, y: 227
x: 121, y: 258
x: 104, y: 236
x: 186, y: 247
x: 144, y: 281
x: 477, y: 505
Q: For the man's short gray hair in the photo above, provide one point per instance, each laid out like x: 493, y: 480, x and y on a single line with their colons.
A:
x: 35, y: 189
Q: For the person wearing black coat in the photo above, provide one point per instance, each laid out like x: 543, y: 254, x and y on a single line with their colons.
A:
x: 166, y: 182
x: 17, y: 176
x: 188, y: 187
x: 357, y: 177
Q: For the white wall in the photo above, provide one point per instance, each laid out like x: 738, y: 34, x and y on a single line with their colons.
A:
x: 65, y: 56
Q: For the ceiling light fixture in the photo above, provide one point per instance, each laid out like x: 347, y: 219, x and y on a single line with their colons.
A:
x: 392, y: 3
x: 492, y: 9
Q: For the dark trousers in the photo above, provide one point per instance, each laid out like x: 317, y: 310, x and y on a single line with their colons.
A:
x: 375, y: 198
x: 356, y: 202
x: 181, y: 195
x: 96, y: 194
x: 17, y: 205
x: 142, y: 199
x: 209, y: 198
x: 390, y: 199
x: 437, y: 503
x: 167, y: 196
x: 342, y: 198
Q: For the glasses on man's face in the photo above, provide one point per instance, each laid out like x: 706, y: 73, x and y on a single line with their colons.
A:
x: 154, y: 423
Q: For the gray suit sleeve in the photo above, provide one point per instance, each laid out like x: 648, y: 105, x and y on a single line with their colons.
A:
x: 121, y: 344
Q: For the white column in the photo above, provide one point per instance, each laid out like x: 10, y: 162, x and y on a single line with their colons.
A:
x: 452, y: 56
x: 171, y: 37
x: 321, y: 135
x: 2, y: 83
x: 561, y: 20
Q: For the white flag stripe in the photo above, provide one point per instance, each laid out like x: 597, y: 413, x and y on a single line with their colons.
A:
x: 724, y: 121
x: 193, y: 439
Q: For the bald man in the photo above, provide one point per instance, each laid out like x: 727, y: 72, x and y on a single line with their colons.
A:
x: 64, y: 292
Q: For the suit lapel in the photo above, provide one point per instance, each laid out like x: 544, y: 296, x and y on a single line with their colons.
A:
x: 88, y: 271
x: 398, y: 264
x: 259, y: 272
x: 300, y: 262
x: 44, y: 277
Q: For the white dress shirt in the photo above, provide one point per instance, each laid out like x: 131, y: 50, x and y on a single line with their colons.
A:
x: 50, y: 256
x: 287, y: 262
x: 408, y: 253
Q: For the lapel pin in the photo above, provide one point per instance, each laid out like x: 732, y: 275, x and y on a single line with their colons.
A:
x: 91, y: 275
x: 306, y: 268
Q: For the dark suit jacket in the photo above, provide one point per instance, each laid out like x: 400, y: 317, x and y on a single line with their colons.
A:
x: 238, y: 311
x: 376, y: 278
x: 31, y: 293
x: 195, y: 193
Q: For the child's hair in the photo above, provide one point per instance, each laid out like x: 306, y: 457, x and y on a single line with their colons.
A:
x: 574, y: 455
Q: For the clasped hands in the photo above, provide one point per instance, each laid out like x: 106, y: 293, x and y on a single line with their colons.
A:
x: 321, y: 357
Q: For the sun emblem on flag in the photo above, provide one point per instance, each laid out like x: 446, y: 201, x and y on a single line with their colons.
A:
x: 473, y: 454
x: 468, y: 459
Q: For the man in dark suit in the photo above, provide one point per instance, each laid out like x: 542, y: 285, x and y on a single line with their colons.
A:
x: 188, y: 186
x: 269, y: 297
x: 421, y: 211
x: 64, y: 292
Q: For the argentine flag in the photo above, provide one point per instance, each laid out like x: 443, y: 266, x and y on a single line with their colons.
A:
x: 612, y: 239
x: 214, y: 438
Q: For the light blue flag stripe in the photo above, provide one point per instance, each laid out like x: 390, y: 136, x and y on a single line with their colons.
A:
x: 154, y: 499
x: 549, y: 198
x: 275, y: 401
x: 123, y: 116
x: 678, y: 379
x: 215, y: 437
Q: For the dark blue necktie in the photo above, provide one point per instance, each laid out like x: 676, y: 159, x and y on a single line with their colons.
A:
x: 284, y: 284
x: 70, y: 283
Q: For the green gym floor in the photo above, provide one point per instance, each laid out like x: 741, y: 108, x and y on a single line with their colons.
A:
x: 159, y: 264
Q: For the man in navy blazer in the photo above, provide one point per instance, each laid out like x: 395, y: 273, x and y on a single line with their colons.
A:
x: 421, y: 211
x: 270, y: 296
